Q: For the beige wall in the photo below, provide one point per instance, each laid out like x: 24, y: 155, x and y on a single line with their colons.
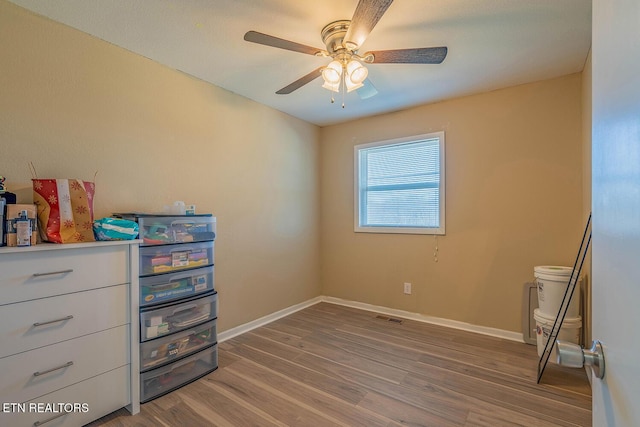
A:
x: 513, y: 201
x: 74, y: 105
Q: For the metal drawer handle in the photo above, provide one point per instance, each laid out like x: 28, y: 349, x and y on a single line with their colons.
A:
x: 62, y: 319
x: 39, y: 423
x: 53, y: 272
x: 66, y: 365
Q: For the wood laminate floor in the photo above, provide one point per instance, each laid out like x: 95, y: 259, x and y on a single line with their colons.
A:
x: 329, y: 365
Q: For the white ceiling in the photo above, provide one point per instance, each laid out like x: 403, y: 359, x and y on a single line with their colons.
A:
x: 492, y: 44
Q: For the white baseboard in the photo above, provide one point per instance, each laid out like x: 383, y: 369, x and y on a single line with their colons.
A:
x: 246, y: 327
x: 485, y: 330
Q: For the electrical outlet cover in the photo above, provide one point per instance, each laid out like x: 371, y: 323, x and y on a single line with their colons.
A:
x: 407, y: 288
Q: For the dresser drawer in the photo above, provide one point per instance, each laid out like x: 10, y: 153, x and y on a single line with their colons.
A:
x: 30, y: 275
x: 171, y: 286
x: 163, y: 380
x: 93, y: 398
x: 160, y: 230
x: 41, y: 322
x: 167, y: 319
x: 163, y: 350
x: 29, y: 375
x: 163, y: 259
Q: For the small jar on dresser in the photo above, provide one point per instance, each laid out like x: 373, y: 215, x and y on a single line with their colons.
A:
x: 66, y: 332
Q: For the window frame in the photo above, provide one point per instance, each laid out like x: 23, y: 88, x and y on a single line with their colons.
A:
x: 400, y: 230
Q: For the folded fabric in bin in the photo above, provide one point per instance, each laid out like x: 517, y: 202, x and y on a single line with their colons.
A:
x: 115, y: 229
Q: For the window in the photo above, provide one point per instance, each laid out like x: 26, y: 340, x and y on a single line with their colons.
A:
x: 399, y: 185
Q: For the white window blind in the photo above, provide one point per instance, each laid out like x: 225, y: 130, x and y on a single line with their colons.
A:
x: 400, y: 185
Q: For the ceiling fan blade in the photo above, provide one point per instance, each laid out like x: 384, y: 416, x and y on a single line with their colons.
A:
x: 421, y: 55
x: 301, y: 82
x: 265, y: 39
x: 365, y: 17
x: 367, y: 90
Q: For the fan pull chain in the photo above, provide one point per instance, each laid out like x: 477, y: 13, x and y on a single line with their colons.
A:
x: 435, y: 251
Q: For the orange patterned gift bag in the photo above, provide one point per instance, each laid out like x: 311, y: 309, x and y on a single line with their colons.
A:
x: 65, y: 209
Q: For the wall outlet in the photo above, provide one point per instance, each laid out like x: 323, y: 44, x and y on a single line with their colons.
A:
x: 407, y: 288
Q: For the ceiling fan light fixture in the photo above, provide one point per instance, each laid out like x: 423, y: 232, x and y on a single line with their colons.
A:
x: 342, y: 39
x: 351, y: 85
x: 333, y: 87
x: 332, y: 73
x: 357, y: 72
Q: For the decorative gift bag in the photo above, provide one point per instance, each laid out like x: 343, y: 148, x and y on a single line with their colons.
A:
x: 65, y: 209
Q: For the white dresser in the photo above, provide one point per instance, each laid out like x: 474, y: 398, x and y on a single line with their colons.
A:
x: 66, y: 333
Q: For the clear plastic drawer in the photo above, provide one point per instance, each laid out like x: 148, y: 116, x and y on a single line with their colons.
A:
x: 160, y: 230
x: 168, y: 378
x: 167, y: 258
x: 169, y: 318
x: 160, y: 351
x: 171, y: 286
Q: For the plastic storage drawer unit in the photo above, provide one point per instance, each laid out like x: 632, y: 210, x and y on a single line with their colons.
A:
x: 160, y: 229
x: 169, y: 318
x: 167, y: 378
x: 171, y: 286
x: 160, y: 351
x: 167, y: 258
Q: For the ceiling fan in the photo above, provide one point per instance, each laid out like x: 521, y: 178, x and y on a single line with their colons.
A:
x: 342, y: 40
